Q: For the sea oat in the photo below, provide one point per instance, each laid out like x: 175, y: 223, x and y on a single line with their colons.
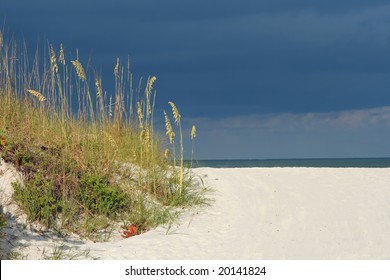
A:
x: 62, y: 55
x: 36, y: 94
x: 146, y: 137
x: 79, y: 69
x: 1, y: 39
x: 98, y: 87
x: 111, y: 141
x: 110, y: 107
x: 53, y: 60
x: 193, y: 132
x: 116, y: 69
x: 149, y: 86
x: 175, y: 112
x: 168, y: 126
x: 167, y: 153
x: 140, y: 114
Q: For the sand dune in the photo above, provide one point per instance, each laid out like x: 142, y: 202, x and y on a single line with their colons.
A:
x: 257, y: 213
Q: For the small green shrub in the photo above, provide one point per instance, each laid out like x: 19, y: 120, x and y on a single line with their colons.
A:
x: 100, y: 197
x: 23, y: 157
x: 38, y: 199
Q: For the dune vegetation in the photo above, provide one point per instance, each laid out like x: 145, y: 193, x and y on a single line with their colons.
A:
x: 90, y: 157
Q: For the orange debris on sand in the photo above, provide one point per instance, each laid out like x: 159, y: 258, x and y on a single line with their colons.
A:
x: 131, y: 231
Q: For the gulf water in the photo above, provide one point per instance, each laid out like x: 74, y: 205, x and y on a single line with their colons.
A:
x: 307, y: 162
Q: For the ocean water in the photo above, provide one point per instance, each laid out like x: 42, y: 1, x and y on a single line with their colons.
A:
x: 315, y: 162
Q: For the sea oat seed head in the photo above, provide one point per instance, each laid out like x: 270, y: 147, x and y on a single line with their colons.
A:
x: 62, y: 55
x: 111, y: 140
x: 98, y: 87
x: 167, y: 153
x: 193, y: 132
x: 116, y: 69
x: 1, y: 39
x: 149, y: 86
x: 175, y: 111
x: 168, y: 126
x: 146, y: 137
x: 140, y: 114
x: 36, y: 94
x: 110, y: 107
x: 53, y: 60
x: 79, y: 69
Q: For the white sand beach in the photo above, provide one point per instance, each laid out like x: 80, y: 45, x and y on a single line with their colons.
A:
x: 257, y: 213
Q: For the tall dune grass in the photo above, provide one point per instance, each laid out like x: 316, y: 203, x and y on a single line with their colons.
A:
x: 89, y: 155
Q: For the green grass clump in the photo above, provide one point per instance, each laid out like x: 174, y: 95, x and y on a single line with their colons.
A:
x: 89, y: 156
x: 63, y: 252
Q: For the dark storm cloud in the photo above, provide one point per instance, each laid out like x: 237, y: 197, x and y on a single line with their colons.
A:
x: 226, y: 60
x: 267, y: 56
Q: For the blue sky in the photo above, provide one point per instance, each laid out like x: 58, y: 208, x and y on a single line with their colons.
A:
x: 260, y: 79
